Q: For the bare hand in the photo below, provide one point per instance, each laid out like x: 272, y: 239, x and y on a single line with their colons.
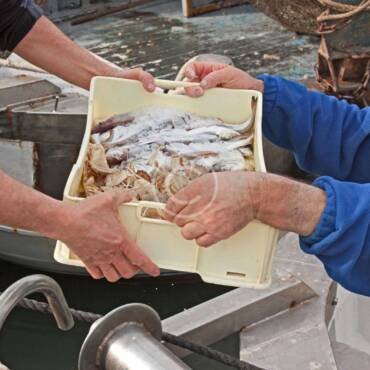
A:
x: 95, y: 233
x: 48, y: 48
x: 218, y: 75
x: 214, y: 206
x: 140, y: 75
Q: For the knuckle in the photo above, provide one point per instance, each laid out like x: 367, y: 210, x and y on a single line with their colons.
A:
x: 209, y: 221
x: 186, y: 234
x: 201, y: 243
x: 179, y: 220
x: 108, y: 198
x: 125, y: 247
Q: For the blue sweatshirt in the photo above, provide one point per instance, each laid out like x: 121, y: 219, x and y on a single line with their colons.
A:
x: 329, y: 138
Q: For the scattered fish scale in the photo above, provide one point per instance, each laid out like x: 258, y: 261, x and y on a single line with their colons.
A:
x: 156, y: 151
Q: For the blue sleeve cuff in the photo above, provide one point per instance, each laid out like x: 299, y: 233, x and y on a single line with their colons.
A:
x: 270, y: 92
x: 327, y: 222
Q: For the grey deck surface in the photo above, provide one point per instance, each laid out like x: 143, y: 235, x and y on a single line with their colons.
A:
x: 157, y: 38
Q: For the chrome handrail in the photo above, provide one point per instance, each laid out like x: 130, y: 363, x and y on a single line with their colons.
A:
x: 37, y: 284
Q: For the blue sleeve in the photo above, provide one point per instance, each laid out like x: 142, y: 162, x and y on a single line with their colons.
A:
x: 327, y: 136
x: 341, y: 239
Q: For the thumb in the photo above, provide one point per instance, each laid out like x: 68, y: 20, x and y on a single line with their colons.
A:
x: 196, y: 71
x: 216, y: 78
x: 191, y: 72
x: 144, y: 77
x: 123, y: 196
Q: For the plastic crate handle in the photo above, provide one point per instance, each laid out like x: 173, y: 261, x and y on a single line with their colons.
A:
x: 171, y: 85
x: 153, y: 205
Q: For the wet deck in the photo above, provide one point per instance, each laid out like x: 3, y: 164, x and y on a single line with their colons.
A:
x: 159, y: 39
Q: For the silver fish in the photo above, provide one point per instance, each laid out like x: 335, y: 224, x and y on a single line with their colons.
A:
x: 224, y: 133
x: 111, y: 122
x: 157, y: 151
x: 121, y: 134
x: 197, y: 122
x: 198, y: 149
x: 117, y: 154
x: 177, y: 136
x: 227, y: 161
x: 193, y: 121
x: 193, y: 150
x: 230, y: 161
x: 160, y: 160
x: 241, y: 128
x: 242, y: 142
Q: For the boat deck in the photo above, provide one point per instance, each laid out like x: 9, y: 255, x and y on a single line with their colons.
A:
x: 159, y: 39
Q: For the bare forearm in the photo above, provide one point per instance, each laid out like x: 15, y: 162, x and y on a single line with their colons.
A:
x: 287, y: 204
x: 26, y: 208
x: 48, y: 48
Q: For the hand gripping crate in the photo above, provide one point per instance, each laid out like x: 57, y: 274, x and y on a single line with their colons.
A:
x: 245, y: 259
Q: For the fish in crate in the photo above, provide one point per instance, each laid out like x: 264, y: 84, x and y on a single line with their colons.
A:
x: 157, y: 151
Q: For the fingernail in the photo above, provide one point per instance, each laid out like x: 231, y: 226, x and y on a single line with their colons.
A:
x: 189, y: 73
x: 204, y: 84
x: 151, y: 87
x: 198, y: 91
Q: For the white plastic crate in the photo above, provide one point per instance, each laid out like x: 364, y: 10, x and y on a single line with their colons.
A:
x: 243, y: 260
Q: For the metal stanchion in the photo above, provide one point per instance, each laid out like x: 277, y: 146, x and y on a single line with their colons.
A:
x: 128, y: 338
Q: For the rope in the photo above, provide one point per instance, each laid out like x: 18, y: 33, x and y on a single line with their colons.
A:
x: 90, y: 317
x: 348, y: 14
x: 339, y: 7
x: 43, y: 307
x: 208, y: 352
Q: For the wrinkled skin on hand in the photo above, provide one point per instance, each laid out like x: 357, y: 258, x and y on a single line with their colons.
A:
x: 218, y: 75
x: 209, y: 209
x: 96, y: 235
